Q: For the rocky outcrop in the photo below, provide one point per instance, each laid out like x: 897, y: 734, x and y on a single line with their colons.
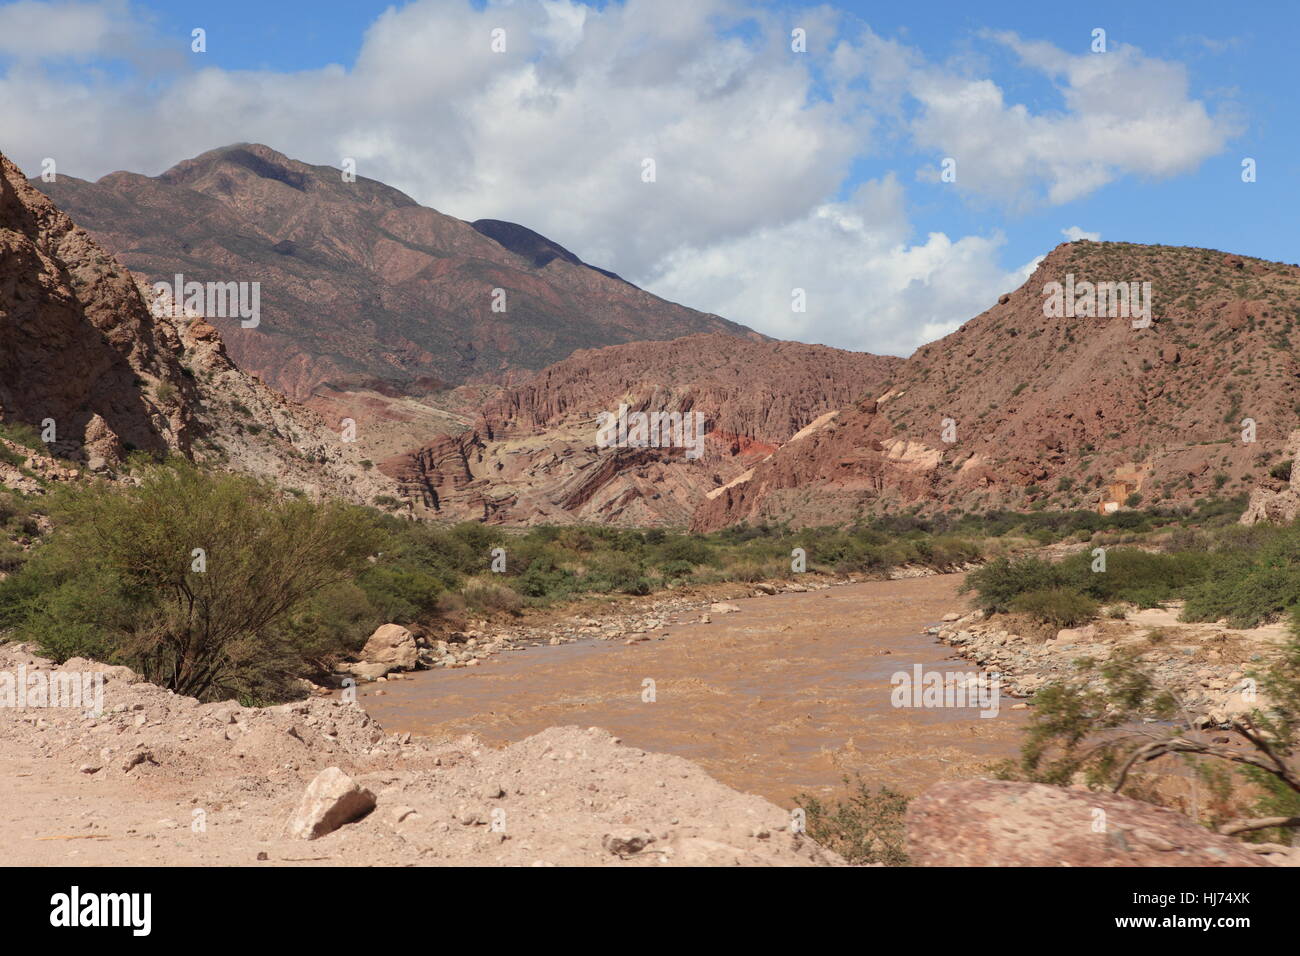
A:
x: 97, y: 366
x: 1001, y: 823
x: 249, y: 427
x: 533, y: 455
x: 1277, y: 502
x: 82, y: 361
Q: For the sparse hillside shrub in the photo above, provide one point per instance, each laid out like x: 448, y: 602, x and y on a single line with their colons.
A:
x: 1113, y: 726
x: 864, y: 826
x: 491, y: 596
x: 23, y: 434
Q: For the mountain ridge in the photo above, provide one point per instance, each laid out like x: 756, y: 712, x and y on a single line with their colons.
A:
x: 360, y: 283
x: 1061, y: 412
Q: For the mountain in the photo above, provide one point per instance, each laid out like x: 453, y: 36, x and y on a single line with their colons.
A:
x: 533, y: 455
x: 1060, y: 411
x: 362, y: 289
x: 86, y: 363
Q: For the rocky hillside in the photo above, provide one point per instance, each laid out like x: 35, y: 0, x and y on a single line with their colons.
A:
x: 1061, y: 411
x: 362, y: 288
x: 81, y: 359
x: 247, y: 426
x: 83, y: 353
x: 532, y: 456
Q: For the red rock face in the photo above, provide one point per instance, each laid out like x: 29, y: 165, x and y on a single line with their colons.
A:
x: 1001, y: 823
x: 1062, y: 411
x: 78, y: 346
x: 533, y: 455
x: 81, y: 347
x: 361, y: 287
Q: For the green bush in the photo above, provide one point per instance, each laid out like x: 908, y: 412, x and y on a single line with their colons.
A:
x: 863, y: 827
x: 676, y: 569
x: 1143, y: 577
x: 489, y: 596
x: 118, y: 580
x: 20, y: 433
x: 1245, y: 596
x: 1001, y: 581
x: 1060, y: 607
x: 617, y: 572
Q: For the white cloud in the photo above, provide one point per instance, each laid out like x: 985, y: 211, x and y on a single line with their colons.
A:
x: 30, y: 30
x: 1074, y: 234
x: 1124, y: 114
x: 866, y: 286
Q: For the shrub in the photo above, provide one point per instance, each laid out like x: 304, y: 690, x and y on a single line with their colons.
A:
x: 676, y: 569
x: 1060, y: 607
x: 1113, y: 727
x: 617, y: 572
x: 118, y: 580
x: 1245, y: 596
x: 490, y: 596
x: 20, y: 433
x: 863, y: 827
x: 1000, y: 581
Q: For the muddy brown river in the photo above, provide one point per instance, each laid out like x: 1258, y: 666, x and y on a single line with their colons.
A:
x: 788, y: 695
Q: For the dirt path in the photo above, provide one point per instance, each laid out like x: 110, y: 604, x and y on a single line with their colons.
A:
x: 789, y: 694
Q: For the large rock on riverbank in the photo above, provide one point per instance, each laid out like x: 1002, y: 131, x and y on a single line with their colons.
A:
x: 392, y: 644
x: 1001, y: 823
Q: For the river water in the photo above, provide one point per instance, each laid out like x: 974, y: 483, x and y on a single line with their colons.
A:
x: 788, y: 695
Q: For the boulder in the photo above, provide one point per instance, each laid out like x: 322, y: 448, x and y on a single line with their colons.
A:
x: 392, y: 644
x: 111, y: 672
x: 330, y: 801
x: 722, y: 608
x: 626, y: 841
x: 366, y: 671
x: 1076, y: 635
x: 1003, y: 823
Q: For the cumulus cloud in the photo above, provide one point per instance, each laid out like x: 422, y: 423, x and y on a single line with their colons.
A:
x: 754, y: 146
x: 1074, y: 234
x: 31, y: 31
x: 1122, y: 113
x: 864, y: 285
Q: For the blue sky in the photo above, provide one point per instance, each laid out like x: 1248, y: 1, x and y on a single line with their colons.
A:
x: 777, y: 169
